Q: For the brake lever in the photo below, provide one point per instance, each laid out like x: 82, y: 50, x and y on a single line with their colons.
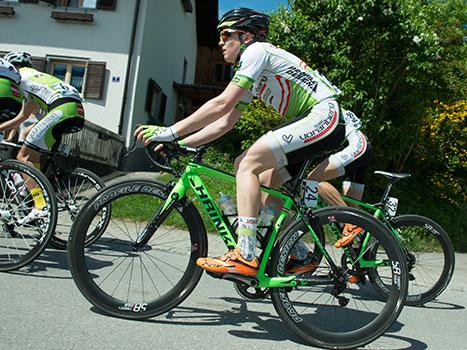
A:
x: 131, y: 148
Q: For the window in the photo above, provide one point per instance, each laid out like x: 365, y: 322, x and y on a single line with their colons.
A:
x: 87, y: 77
x: 76, y: 3
x: 187, y: 6
x: 72, y: 73
x: 85, y: 4
x: 185, y: 68
x: 156, y: 102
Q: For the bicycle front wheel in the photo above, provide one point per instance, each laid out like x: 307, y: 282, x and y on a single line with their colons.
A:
x: 430, y: 258
x: 26, y: 223
x: 123, y: 277
x: 73, y: 190
x: 327, y: 308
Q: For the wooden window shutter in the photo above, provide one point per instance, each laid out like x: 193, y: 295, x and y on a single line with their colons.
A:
x: 108, y: 5
x: 39, y: 63
x: 95, y: 80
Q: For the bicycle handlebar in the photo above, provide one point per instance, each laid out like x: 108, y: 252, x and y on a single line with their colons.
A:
x: 169, y: 152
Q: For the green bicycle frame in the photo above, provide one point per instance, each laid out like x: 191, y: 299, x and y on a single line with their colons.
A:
x: 190, y: 178
x: 379, y: 214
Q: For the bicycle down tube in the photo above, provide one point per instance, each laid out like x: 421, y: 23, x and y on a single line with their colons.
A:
x: 191, y: 179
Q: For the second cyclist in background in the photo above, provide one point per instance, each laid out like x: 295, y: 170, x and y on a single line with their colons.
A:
x: 60, y: 109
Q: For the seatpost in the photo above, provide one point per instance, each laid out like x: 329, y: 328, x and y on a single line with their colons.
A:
x: 387, y: 190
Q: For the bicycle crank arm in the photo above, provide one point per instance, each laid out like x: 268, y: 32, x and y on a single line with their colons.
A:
x: 251, y: 281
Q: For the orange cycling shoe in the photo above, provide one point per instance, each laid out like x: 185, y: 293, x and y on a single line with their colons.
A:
x: 349, y: 232
x: 296, y: 266
x: 353, y: 279
x: 230, y: 262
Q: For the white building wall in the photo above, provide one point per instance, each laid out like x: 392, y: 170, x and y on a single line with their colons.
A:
x: 166, y: 35
x: 107, y: 39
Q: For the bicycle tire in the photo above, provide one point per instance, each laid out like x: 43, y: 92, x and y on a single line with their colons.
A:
x: 341, y: 324
x: 21, y: 241
x: 73, y: 190
x: 93, y: 267
x: 438, y: 268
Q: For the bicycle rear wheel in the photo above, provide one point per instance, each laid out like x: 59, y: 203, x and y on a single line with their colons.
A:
x: 430, y: 258
x: 325, y: 309
x: 23, y: 237
x: 133, y: 281
x: 73, y: 190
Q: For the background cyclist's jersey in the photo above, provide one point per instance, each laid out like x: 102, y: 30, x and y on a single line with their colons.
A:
x: 281, y: 79
x: 45, y: 89
x: 8, y: 71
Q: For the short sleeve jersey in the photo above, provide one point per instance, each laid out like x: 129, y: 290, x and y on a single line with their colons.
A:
x: 45, y: 89
x: 281, y: 79
x: 8, y: 71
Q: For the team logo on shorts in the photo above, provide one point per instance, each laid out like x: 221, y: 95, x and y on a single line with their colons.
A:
x: 287, y: 138
x: 15, y: 90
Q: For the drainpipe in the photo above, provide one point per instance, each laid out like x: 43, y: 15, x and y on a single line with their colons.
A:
x: 130, y: 59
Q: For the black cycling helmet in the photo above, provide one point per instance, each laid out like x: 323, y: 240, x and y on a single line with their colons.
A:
x: 245, y: 19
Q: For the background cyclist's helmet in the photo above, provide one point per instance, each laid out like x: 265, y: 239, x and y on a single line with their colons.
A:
x: 19, y: 59
x: 245, y: 19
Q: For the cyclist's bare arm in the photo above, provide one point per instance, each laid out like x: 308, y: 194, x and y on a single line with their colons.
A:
x: 214, y: 130
x: 28, y: 108
x: 211, y: 111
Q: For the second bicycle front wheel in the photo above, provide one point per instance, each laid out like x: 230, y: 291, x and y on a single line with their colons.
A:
x: 327, y: 309
x: 127, y: 279
x: 27, y: 223
x: 73, y: 190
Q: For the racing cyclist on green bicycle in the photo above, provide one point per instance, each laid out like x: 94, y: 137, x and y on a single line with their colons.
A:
x: 58, y: 108
x: 351, y: 161
x: 303, y: 97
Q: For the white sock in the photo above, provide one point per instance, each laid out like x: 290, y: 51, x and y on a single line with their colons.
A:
x: 247, y: 236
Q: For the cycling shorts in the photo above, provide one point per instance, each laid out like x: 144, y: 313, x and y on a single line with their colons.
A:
x: 11, y: 99
x: 353, y: 159
x: 307, y: 136
x: 65, y: 116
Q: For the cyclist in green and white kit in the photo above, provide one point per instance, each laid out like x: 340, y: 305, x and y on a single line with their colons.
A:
x: 305, y: 99
x: 11, y: 96
x: 60, y: 107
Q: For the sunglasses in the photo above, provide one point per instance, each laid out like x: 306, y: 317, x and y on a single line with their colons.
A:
x: 227, y: 33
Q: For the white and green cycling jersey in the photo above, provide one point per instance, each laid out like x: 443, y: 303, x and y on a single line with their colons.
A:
x: 281, y: 80
x: 45, y: 89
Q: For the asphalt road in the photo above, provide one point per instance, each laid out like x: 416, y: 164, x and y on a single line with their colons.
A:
x: 41, y: 308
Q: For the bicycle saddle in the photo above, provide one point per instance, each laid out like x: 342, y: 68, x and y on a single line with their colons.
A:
x: 392, y: 176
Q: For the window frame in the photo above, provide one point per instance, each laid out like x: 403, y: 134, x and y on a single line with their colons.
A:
x: 52, y: 61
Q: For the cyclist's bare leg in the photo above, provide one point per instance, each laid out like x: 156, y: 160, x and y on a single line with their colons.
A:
x: 257, y: 159
x: 32, y: 157
x: 330, y: 194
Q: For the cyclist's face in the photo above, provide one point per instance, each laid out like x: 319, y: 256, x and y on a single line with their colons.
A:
x: 230, y: 44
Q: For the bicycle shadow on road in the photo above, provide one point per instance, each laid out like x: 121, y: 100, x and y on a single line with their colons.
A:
x: 47, y: 265
x: 265, y: 325
x: 439, y: 305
